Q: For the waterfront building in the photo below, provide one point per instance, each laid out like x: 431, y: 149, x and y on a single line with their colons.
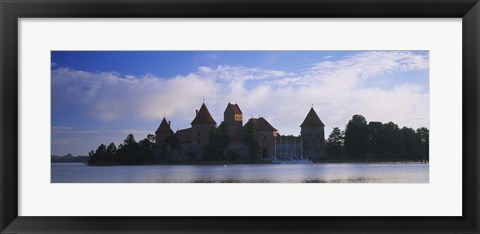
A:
x: 233, y: 118
x: 313, y: 136
x: 288, y: 147
x: 266, y: 136
x: 190, y: 142
x: 162, y: 134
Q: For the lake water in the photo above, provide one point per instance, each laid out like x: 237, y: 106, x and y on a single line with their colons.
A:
x: 259, y: 173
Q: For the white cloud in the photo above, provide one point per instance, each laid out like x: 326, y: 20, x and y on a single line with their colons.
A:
x: 337, y: 89
x: 235, y: 73
x: 108, y: 96
x: 368, y: 64
x: 204, y: 69
x: 346, y: 73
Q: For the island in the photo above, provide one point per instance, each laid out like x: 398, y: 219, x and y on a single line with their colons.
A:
x: 257, y: 141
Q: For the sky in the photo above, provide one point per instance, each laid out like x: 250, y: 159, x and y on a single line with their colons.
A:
x: 102, y: 96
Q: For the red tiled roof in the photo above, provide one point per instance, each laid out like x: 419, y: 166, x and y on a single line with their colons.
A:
x: 234, y: 108
x: 184, y: 135
x: 262, y: 124
x: 203, y: 116
x: 164, y: 128
x: 312, y: 120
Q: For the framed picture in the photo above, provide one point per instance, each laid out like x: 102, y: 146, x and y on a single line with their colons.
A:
x: 277, y: 116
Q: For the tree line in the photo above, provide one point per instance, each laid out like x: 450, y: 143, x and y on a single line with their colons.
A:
x: 377, y: 140
x: 146, y: 151
x: 130, y: 152
x: 361, y: 140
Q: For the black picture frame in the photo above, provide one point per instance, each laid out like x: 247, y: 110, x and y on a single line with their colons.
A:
x: 11, y: 11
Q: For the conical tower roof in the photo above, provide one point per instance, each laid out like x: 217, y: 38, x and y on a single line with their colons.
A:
x: 312, y: 120
x: 234, y: 108
x: 164, y: 128
x: 262, y: 124
x: 203, y: 116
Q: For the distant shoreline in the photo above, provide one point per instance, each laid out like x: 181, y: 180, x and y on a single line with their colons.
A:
x: 210, y: 163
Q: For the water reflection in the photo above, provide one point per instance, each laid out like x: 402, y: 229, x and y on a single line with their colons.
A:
x: 265, y: 173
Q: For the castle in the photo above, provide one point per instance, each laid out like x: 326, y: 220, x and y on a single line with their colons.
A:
x: 190, y: 142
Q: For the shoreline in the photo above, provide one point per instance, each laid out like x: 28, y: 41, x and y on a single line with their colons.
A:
x: 218, y: 163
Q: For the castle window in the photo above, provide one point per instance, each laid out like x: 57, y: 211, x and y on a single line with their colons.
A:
x: 198, y: 134
x: 264, y: 137
x: 199, y: 141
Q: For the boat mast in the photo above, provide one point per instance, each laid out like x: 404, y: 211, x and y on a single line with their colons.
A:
x: 291, y: 152
x: 280, y: 147
x: 286, y: 146
x: 275, y: 141
x: 301, y: 146
x: 294, y: 145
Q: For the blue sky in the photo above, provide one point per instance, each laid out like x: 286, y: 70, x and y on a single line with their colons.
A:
x: 101, y: 96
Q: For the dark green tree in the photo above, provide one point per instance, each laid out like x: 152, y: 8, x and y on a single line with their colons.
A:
x: 423, y: 138
x: 98, y: 156
x: 92, y: 159
x: 218, y: 141
x: 112, y: 148
x: 147, y: 146
x: 101, y: 150
x: 393, y: 141
x: 130, y: 140
x: 223, y: 138
x: 101, y: 153
x: 376, y: 143
x: 356, y: 136
x: 411, y: 149
x: 110, y: 153
x: 335, y: 143
x: 251, y: 141
x: 128, y: 151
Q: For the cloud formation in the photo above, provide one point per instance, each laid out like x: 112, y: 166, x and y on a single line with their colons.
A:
x: 337, y: 89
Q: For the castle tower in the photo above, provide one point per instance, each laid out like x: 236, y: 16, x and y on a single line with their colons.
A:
x: 201, y: 126
x: 163, y: 132
x: 266, y: 136
x: 313, y: 136
x: 233, y: 117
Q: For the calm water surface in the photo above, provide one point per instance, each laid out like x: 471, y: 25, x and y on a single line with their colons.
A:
x: 263, y: 173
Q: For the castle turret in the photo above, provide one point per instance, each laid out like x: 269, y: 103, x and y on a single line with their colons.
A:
x: 233, y: 118
x: 201, y: 126
x: 163, y: 132
x: 161, y: 135
x: 313, y: 136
